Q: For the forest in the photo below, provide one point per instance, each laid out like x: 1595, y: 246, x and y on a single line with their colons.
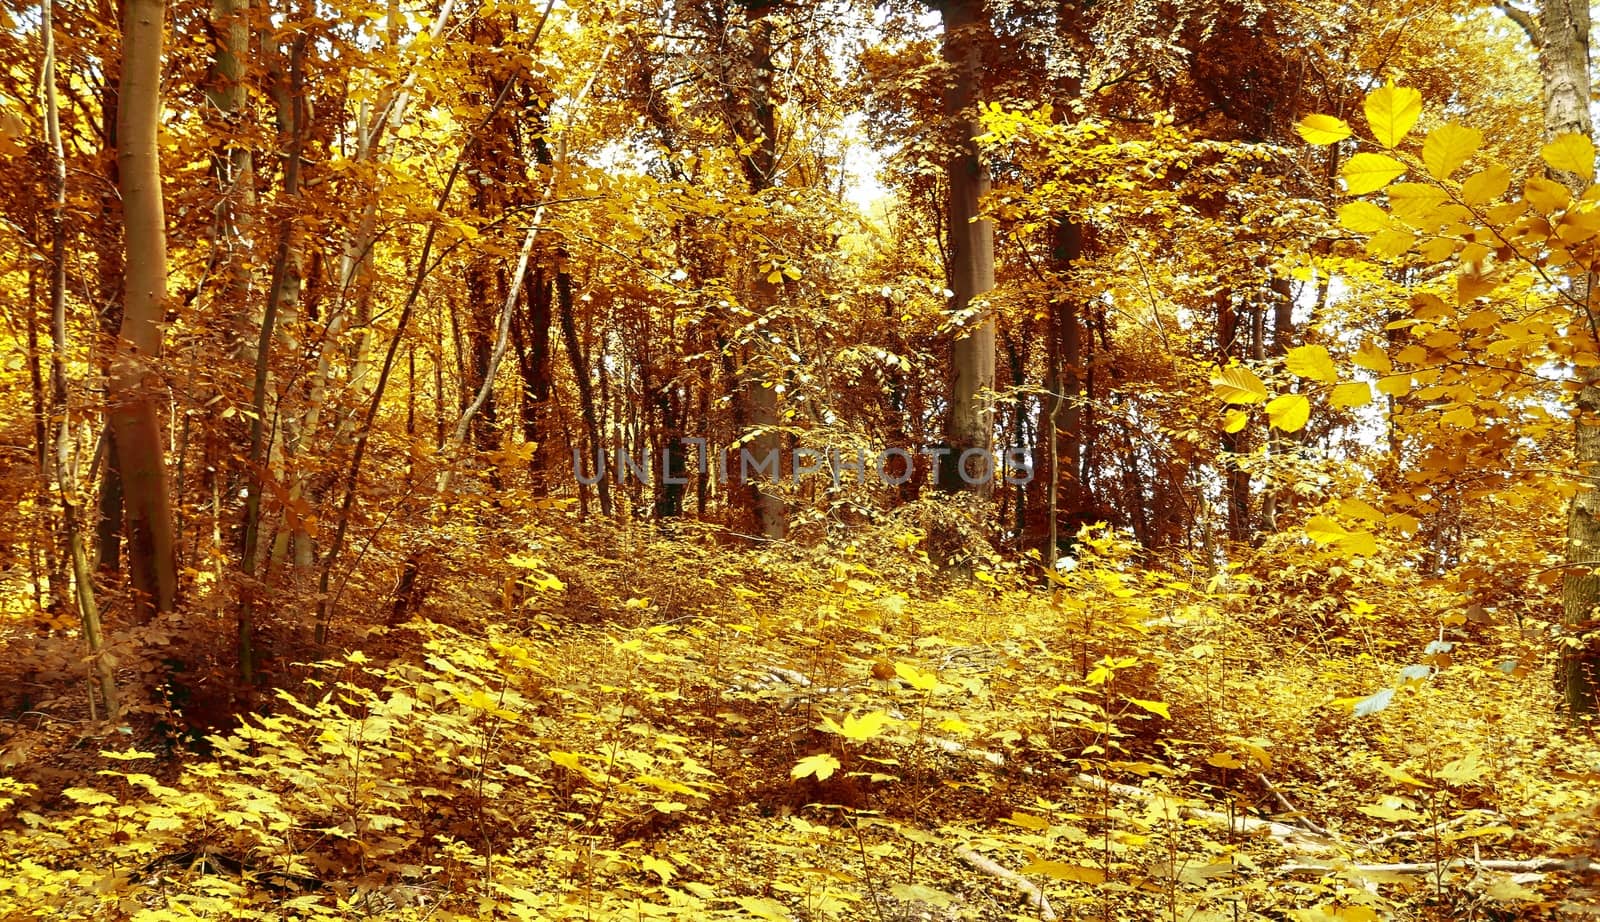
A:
x: 782, y: 460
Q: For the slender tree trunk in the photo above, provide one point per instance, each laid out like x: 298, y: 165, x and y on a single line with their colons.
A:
x: 532, y: 333
x: 1236, y: 479
x: 1564, y: 64
x: 1059, y: 448
x: 65, y: 476
x: 1282, y: 335
x: 109, y: 281
x: 580, y: 374
x: 281, y: 295
x: 55, y: 568
x: 108, y: 530
x: 134, y: 386
x: 970, y: 423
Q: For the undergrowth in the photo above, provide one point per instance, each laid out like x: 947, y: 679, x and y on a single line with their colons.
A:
x: 635, y: 727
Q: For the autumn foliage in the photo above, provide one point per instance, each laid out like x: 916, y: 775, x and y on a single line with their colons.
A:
x: 1173, y: 437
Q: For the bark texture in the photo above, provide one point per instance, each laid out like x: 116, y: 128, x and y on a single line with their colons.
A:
x: 134, y: 388
x: 1564, y: 64
x: 970, y: 424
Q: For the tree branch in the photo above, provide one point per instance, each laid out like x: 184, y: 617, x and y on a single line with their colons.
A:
x: 1524, y: 19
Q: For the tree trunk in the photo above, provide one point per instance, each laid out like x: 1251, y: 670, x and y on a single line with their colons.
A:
x: 1236, y: 487
x: 754, y: 122
x: 55, y: 568
x: 65, y: 477
x: 283, y: 294
x: 1058, y: 450
x: 134, y: 385
x: 532, y: 333
x: 1282, y: 335
x: 1564, y: 65
x: 580, y: 374
x: 970, y: 423
x: 109, y: 282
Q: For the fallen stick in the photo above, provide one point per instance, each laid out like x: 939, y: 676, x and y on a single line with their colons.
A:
x: 1576, y: 865
x: 1304, y: 821
x: 1436, y: 828
x: 1036, y: 897
x: 1244, y: 825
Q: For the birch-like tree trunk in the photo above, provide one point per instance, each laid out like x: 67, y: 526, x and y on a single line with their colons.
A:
x: 1564, y: 64
x: 65, y: 476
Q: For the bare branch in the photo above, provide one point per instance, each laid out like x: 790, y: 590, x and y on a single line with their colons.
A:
x: 1524, y: 19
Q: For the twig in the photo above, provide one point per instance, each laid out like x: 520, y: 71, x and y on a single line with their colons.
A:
x: 1244, y: 825
x: 1576, y: 865
x: 1028, y: 888
x: 1437, y: 827
x: 1304, y: 820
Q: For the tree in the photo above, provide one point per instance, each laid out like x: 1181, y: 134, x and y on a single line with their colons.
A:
x: 134, y: 385
x: 1560, y: 36
x: 1564, y: 66
x: 969, y: 425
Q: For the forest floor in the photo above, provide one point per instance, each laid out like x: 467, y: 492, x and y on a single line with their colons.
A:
x: 643, y: 728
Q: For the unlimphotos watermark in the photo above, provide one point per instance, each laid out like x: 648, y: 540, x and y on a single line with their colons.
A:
x: 890, y: 466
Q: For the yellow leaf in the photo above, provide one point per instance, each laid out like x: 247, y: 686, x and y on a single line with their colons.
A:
x: 1359, y: 542
x: 1312, y: 362
x: 1060, y: 870
x: 1546, y: 196
x: 1465, y: 770
x: 1225, y: 760
x: 1154, y: 707
x: 823, y: 765
x: 765, y: 909
x: 1235, y: 420
x: 1392, y: 111
x: 1363, y: 217
x: 1414, y: 202
x: 660, y: 867
x: 1323, y: 530
x: 1027, y: 821
x: 865, y: 727
x: 1373, y: 358
x: 1391, y: 243
x: 1460, y: 418
x: 1390, y: 810
x: 88, y: 796
x: 775, y: 276
x: 569, y: 760
x: 1486, y: 185
x: 1322, y: 129
x: 1257, y: 754
x: 1401, y: 775
x: 1448, y: 147
x: 1437, y: 249
x: 1354, y: 394
x: 1289, y: 412
x: 1237, y: 384
x: 127, y: 755
x: 916, y: 678
x: 956, y: 725
x: 1365, y: 173
x: 1359, y: 509
x: 1579, y: 224
x: 1395, y: 385
x: 1570, y: 153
